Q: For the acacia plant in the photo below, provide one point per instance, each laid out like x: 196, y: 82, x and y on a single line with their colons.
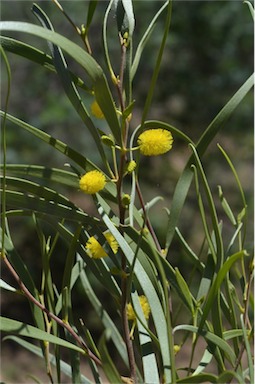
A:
x: 118, y: 248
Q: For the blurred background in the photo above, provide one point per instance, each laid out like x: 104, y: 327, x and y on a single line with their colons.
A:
x: 209, y: 55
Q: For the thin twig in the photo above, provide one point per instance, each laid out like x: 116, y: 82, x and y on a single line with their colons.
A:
x: 77, y: 29
x: 63, y: 324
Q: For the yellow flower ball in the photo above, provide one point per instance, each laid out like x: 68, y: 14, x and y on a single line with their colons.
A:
x: 96, y: 110
x: 155, y: 142
x: 92, y: 182
x: 145, y: 307
x: 95, y: 249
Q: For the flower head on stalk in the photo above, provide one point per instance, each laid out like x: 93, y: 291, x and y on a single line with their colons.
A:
x: 92, y: 182
x: 131, y: 313
x: 95, y: 249
x: 154, y: 142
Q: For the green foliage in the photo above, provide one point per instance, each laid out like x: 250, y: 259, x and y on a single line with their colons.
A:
x: 210, y: 313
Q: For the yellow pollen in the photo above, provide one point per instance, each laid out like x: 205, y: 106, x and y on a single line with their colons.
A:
x: 155, y: 142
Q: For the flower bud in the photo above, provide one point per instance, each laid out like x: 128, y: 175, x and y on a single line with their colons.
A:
x: 125, y: 200
x: 108, y: 140
x: 176, y: 349
x: 131, y: 166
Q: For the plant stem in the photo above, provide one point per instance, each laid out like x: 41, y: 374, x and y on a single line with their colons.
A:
x: 125, y: 326
x: 122, y: 213
x: 63, y: 324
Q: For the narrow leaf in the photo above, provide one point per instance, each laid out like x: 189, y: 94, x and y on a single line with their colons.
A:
x: 144, y: 40
x: 7, y: 286
x: 35, y: 55
x: 197, y: 379
x: 248, y: 350
x: 94, y: 71
x: 23, y: 329
x: 108, y: 366
x: 68, y: 85
x: 213, y: 292
x: 65, y: 368
x: 185, y: 289
x: 150, y: 367
x: 158, y: 314
x: 210, y: 337
x: 226, y: 206
x: 184, y: 181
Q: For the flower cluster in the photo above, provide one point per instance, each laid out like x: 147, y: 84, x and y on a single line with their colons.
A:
x: 155, y: 142
x: 145, y: 307
x: 95, y: 249
x: 92, y: 182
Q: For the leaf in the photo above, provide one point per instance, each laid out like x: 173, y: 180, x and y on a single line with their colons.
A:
x: 200, y: 378
x: 103, y: 315
x: 4, y: 146
x: 185, y: 246
x: 65, y: 368
x: 232, y: 333
x: 98, y: 267
x: 91, y: 11
x: 159, y: 317
x: 47, y: 284
x: 70, y: 259
x: 129, y: 13
x: 213, y: 214
x: 248, y: 349
x: 241, y: 191
x: 125, y: 16
x: 213, y: 292
x: 110, y: 188
x: 251, y: 8
x: 144, y: 40
x: 94, y: 71
x: 228, y: 376
x: 226, y: 206
x: 184, y: 181
x: 150, y: 367
x: 68, y: 85
x: 210, y: 337
x: 23, y: 272
x: 55, y: 175
x: 108, y: 366
x: 39, y: 57
x: 29, y: 187
x: 168, y: 269
x: 23, y: 329
x: 57, y: 144
x: 157, y: 66
x: 7, y: 286
x: 206, y: 359
x: 185, y: 289
x: 37, y: 204
x: 206, y: 280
